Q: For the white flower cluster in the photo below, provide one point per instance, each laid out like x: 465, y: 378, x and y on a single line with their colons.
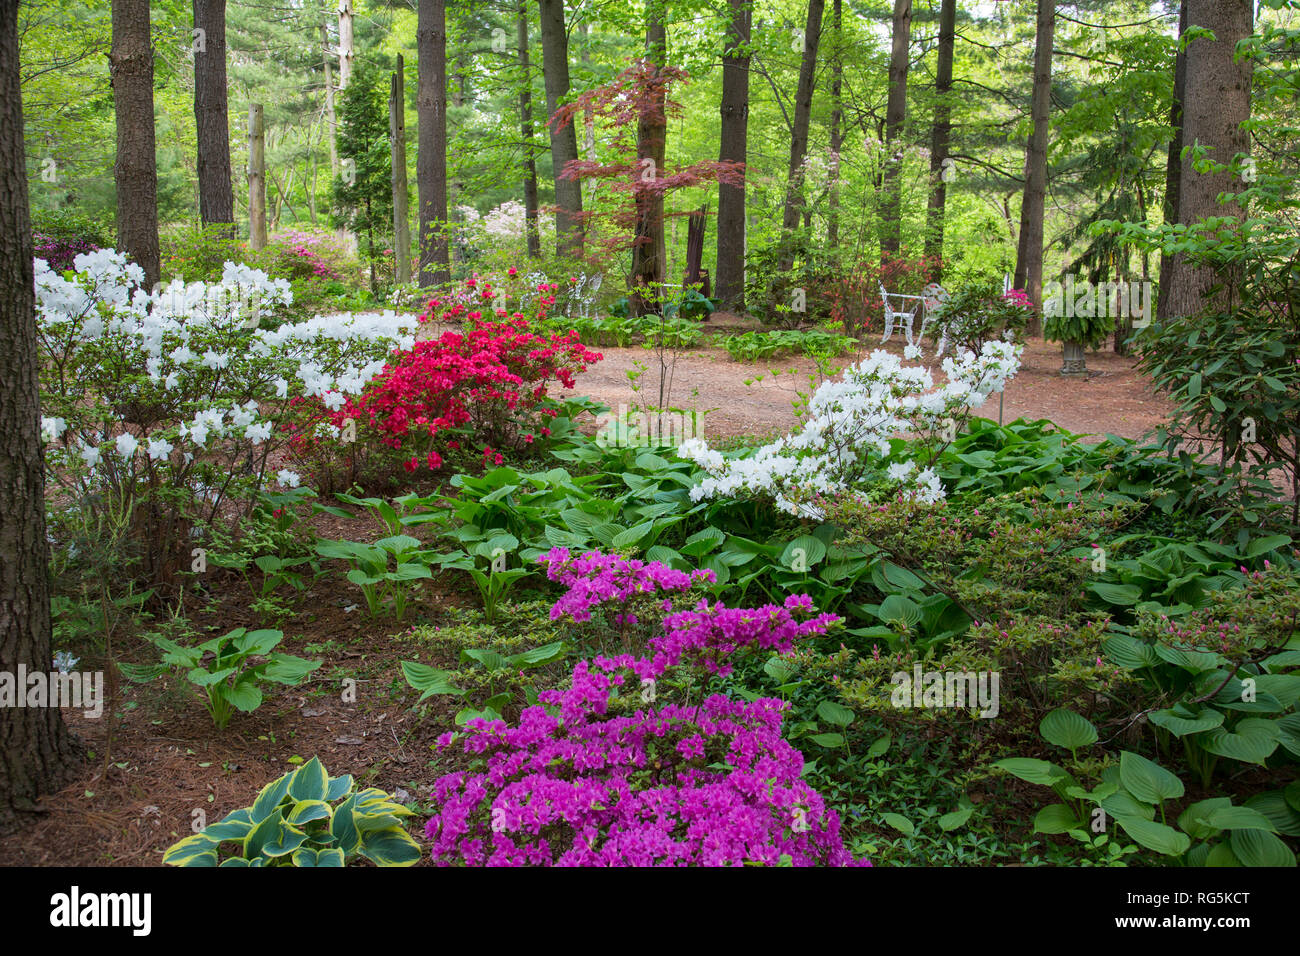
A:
x: 850, y: 417
x: 192, y: 353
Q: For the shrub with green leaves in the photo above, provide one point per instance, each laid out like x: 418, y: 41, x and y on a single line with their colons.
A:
x: 1210, y: 832
x: 305, y: 818
x: 224, y: 669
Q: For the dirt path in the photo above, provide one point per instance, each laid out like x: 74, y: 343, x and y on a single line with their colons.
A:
x: 751, y: 399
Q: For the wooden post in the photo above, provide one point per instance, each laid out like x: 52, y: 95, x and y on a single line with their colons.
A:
x: 256, y: 178
x: 401, y: 198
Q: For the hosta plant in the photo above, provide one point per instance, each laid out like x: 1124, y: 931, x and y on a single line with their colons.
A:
x: 229, y: 678
x: 305, y: 818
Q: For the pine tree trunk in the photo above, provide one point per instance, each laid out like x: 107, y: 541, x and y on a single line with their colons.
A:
x: 331, y: 117
x: 837, y: 123
x: 37, y: 753
x: 212, y: 126
x: 531, y: 229
x: 1173, y: 161
x: 564, y: 142
x: 649, y: 251
x: 1216, y: 102
x: 802, y: 114
x: 431, y: 161
x: 733, y: 145
x: 345, y: 43
x: 895, y: 116
x: 941, y: 133
x: 135, y: 171
x: 1029, y: 256
x: 256, y: 178
x: 401, y: 194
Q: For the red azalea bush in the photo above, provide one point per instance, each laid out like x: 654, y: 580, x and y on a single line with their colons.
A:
x: 484, y: 387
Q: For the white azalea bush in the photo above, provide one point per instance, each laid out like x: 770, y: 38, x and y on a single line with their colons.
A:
x: 175, y: 399
x: 844, y: 441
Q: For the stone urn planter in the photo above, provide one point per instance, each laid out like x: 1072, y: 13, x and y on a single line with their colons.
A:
x: 1074, y: 363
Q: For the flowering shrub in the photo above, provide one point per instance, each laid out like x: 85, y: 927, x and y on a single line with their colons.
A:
x: 854, y: 293
x: 60, y: 251
x: 174, y: 399
x: 486, y: 385
x: 587, y: 777
x: 981, y: 312
x: 848, y: 419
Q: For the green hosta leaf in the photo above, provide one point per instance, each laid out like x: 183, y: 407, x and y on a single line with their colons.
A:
x: 899, y: 823
x: 1260, y: 848
x: 1033, y: 771
x: 835, y: 713
x: 896, y: 607
x: 265, y: 832
x: 1129, y: 653
x: 1056, y: 818
x: 428, y: 680
x: 1221, y: 855
x: 343, y: 828
x: 1156, y: 836
x: 1067, y: 729
x: 957, y: 818
x: 391, y: 846
x: 489, y: 658
x: 196, y: 850
x: 1267, y: 544
x: 779, y: 669
x: 1121, y: 595
x: 1252, y: 740
x: 1123, y: 806
x: 269, y: 798
x: 286, y: 841
x: 1239, y: 818
x: 879, y: 747
x: 339, y: 787
x: 1180, y: 721
x: 1148, y: 781
x: 1195, y: 820
x: 803, y: 553
x: 307, y: 810
x: 310, y: 781
x: 540, y: 655
x: 233, y: 826
x: 246, y: 696
x: 1194, y: 661
x: 702, y: 542
x: 828, y: 740
x: 634, y: 536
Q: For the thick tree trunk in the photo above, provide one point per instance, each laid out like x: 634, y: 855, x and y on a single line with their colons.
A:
x: 1029, y: 257
x: 212, y: 125
x: 1173, y: 161
x: 802, y: 114
x: 649, y: 251
x: 431, y: 162
x: 564, y: 142
x: 941, y: 133
x: 1216, y: 102
x: 733, y: 146
x: 891, y: 209
x: 37, y: 753
x: 837, y: 123
x: 531, y: 228
x: 401, y: 195
x: 136, y: 171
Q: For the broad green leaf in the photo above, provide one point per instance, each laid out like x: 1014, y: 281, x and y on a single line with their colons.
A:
x: 1148, y: 781
x: 835, y: 713
x: 1252, y: 740
x: 1156, y: 836
x: 957, y: 818
x: 1067, y: 729
x: 1260, y: 848
x: 1032, y: 771
x: 899, y: 823
x: 1056, y: 818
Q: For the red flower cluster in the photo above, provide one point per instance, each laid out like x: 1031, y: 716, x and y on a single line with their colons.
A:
x: 488, y: 384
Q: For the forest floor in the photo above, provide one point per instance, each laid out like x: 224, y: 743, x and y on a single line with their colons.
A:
x: 160, y: 764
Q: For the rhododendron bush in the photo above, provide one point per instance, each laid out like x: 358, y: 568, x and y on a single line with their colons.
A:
x: 844, y: 443
x: 485, y: 385
x: 635, y: 763
x: 175, y: 400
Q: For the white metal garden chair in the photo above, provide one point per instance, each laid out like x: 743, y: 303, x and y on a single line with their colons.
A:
x: 903, y: 312
x: 933, y: 299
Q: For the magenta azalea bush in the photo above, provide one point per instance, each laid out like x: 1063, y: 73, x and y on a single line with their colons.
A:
x: 605, y: 773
